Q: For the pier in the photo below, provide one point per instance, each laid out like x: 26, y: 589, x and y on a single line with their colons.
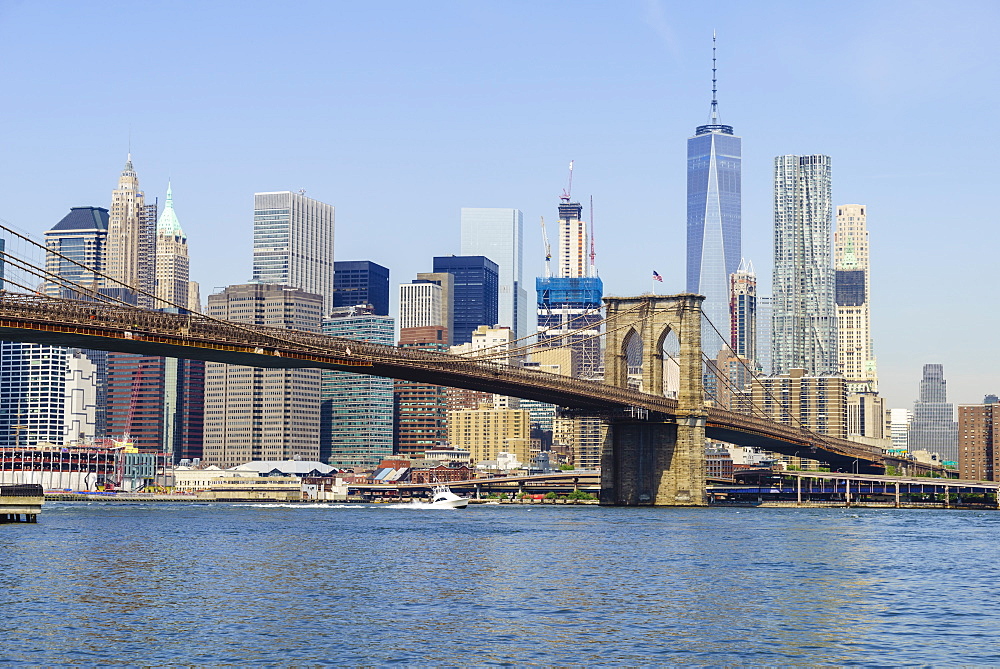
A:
x: 21, y: 503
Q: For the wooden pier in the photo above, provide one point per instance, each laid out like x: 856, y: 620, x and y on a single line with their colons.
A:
x: 21, y: 503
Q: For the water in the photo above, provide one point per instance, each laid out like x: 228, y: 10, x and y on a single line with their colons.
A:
x: 105, y: 583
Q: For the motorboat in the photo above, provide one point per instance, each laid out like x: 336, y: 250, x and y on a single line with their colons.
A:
x: 443, y: 498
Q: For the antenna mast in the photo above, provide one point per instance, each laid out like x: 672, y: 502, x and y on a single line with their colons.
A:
x: 715, y: 102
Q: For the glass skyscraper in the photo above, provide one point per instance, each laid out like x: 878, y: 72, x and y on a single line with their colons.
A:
x: 714, y: 159
x: 293, y: 243
x: 804, y: 333
x: 475, y: 293
x: 498, y: 234
x: 361, y: 282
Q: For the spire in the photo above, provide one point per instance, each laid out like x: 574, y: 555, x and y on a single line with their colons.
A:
x: 169, y: 224
x: 715, y: 103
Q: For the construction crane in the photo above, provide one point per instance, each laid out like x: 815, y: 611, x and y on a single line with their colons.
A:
x: 548, y: 251
x: 593, y: 253
x: 569, y: 189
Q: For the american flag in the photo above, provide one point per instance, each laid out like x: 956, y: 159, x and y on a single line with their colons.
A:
x: 657, y: 277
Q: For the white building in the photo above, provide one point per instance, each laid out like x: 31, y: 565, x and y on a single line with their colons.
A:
x: 293, y: 243
x: 420, y: 305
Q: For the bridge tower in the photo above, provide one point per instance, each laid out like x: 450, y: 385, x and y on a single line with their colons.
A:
x: 650, y: 459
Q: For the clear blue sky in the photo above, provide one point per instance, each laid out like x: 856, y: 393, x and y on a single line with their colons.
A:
x: 401, y: 113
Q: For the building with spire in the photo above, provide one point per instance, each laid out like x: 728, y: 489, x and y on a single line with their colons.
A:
x: 131, y: 246
x: 172, y: 263
x: 851, y: 265
x: 743, y: 311
x: 804, y: 319
x: 714, y: 164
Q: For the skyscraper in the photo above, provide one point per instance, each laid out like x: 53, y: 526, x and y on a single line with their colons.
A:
x: 714, y: 163
x: 979, y: 441
x: 743, y: 311
x: 356, y: 409
x: 173, y: 271
x: 851, y: 264
x: 80, y: 237
x: 569, y: 304
x: 804, y: 334
x: 475, y: 293
x: 293, y: 243
x: 262, y: 414
x: 933, y: 427
x: 361, y: 282
x: 497, y: 234
x: 421, y: 305
x: 131, y: 241
x: 420, y: 408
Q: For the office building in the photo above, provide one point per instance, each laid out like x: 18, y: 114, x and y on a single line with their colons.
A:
x: 765, y: 315
x: 421, y: 304
x: 979, y: 441
x: 488, y: 431
x: 714, y: 163
x: 582, y: 437
x: 356, y: 409
x: 47, y: 394
x: 131, y: 241
x: 804, y: 332
x: 361, y: 282
x: 173, y: 269
x: 933, y: 427
x: 475, y: 294
x: 899, y: 427
x: 498, y: 235
x: 293, y: 243
x: 853, y: 295
x: 420, y: 408
x: 743, y: 311
x: 75, y: 251
x: 263, y: 414
x: 815, y: 403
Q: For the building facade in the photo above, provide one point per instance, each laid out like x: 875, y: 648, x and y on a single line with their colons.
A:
x: 75, y: 250
x: 487, y: 431
x: 253, y: 413
x: 933, y: 427
x: 804, y: 332
x: 173, y: 268
x: 475, y: 295
x: 293, y: 243
x: 853, y: 296
x: 979, y: 441
x: 743, y: 311
x: 421, y: 304
x: 356, y: 409
x: 420, y: 409
x: 361, y: 282
x: 131, y: 240
x: 498, y: 235
x: 815, y: 403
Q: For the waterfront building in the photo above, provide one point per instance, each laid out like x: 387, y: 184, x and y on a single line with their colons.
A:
x: 853, y: 295
x: 714, y: 163
x: 933, y: 427
x: 157, y: 404
x: 804, y: 332
x: 131, y: 240
x: 814, y: 403
x: 582, y: 437
x: 743, y: 311
x: 979, y: 441
x: 78, y: 239
x: 488, y: 431
x: 263, y: 414
x: 498, y: 235
x: 173, y: 268
x: 356, y: 409
x: 62, y: 466
x: 47, y: 394
x: 475, y: 294
x: 361, y: 282
x: 420, y: 408
x: 293, y: 243
x: 421, y: 304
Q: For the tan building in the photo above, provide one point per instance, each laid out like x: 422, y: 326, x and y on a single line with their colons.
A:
x: 173, y: 273
x: 253, y: 413
x: 856, y: 356
x: 979, y: 441
x: 131, y: 240
x: 486, y: 432
x: 816, y: 403
x: 583, y: 436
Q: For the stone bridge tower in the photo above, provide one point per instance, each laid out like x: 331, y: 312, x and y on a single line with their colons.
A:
x: 651, y: 459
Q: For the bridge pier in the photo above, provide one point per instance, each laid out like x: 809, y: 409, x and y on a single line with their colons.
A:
x: 654, y: 463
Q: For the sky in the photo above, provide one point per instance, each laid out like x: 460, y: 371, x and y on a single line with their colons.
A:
x: 401, y: 113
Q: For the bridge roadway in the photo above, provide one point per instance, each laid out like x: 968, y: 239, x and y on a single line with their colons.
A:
x: 93, y: 325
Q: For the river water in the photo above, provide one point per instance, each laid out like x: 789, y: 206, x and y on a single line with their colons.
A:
x: 106, y: 583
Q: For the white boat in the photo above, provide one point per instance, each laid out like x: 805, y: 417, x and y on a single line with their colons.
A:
x: 443, y: 498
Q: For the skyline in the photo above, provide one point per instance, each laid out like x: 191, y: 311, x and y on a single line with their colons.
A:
x: 426, y: 112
